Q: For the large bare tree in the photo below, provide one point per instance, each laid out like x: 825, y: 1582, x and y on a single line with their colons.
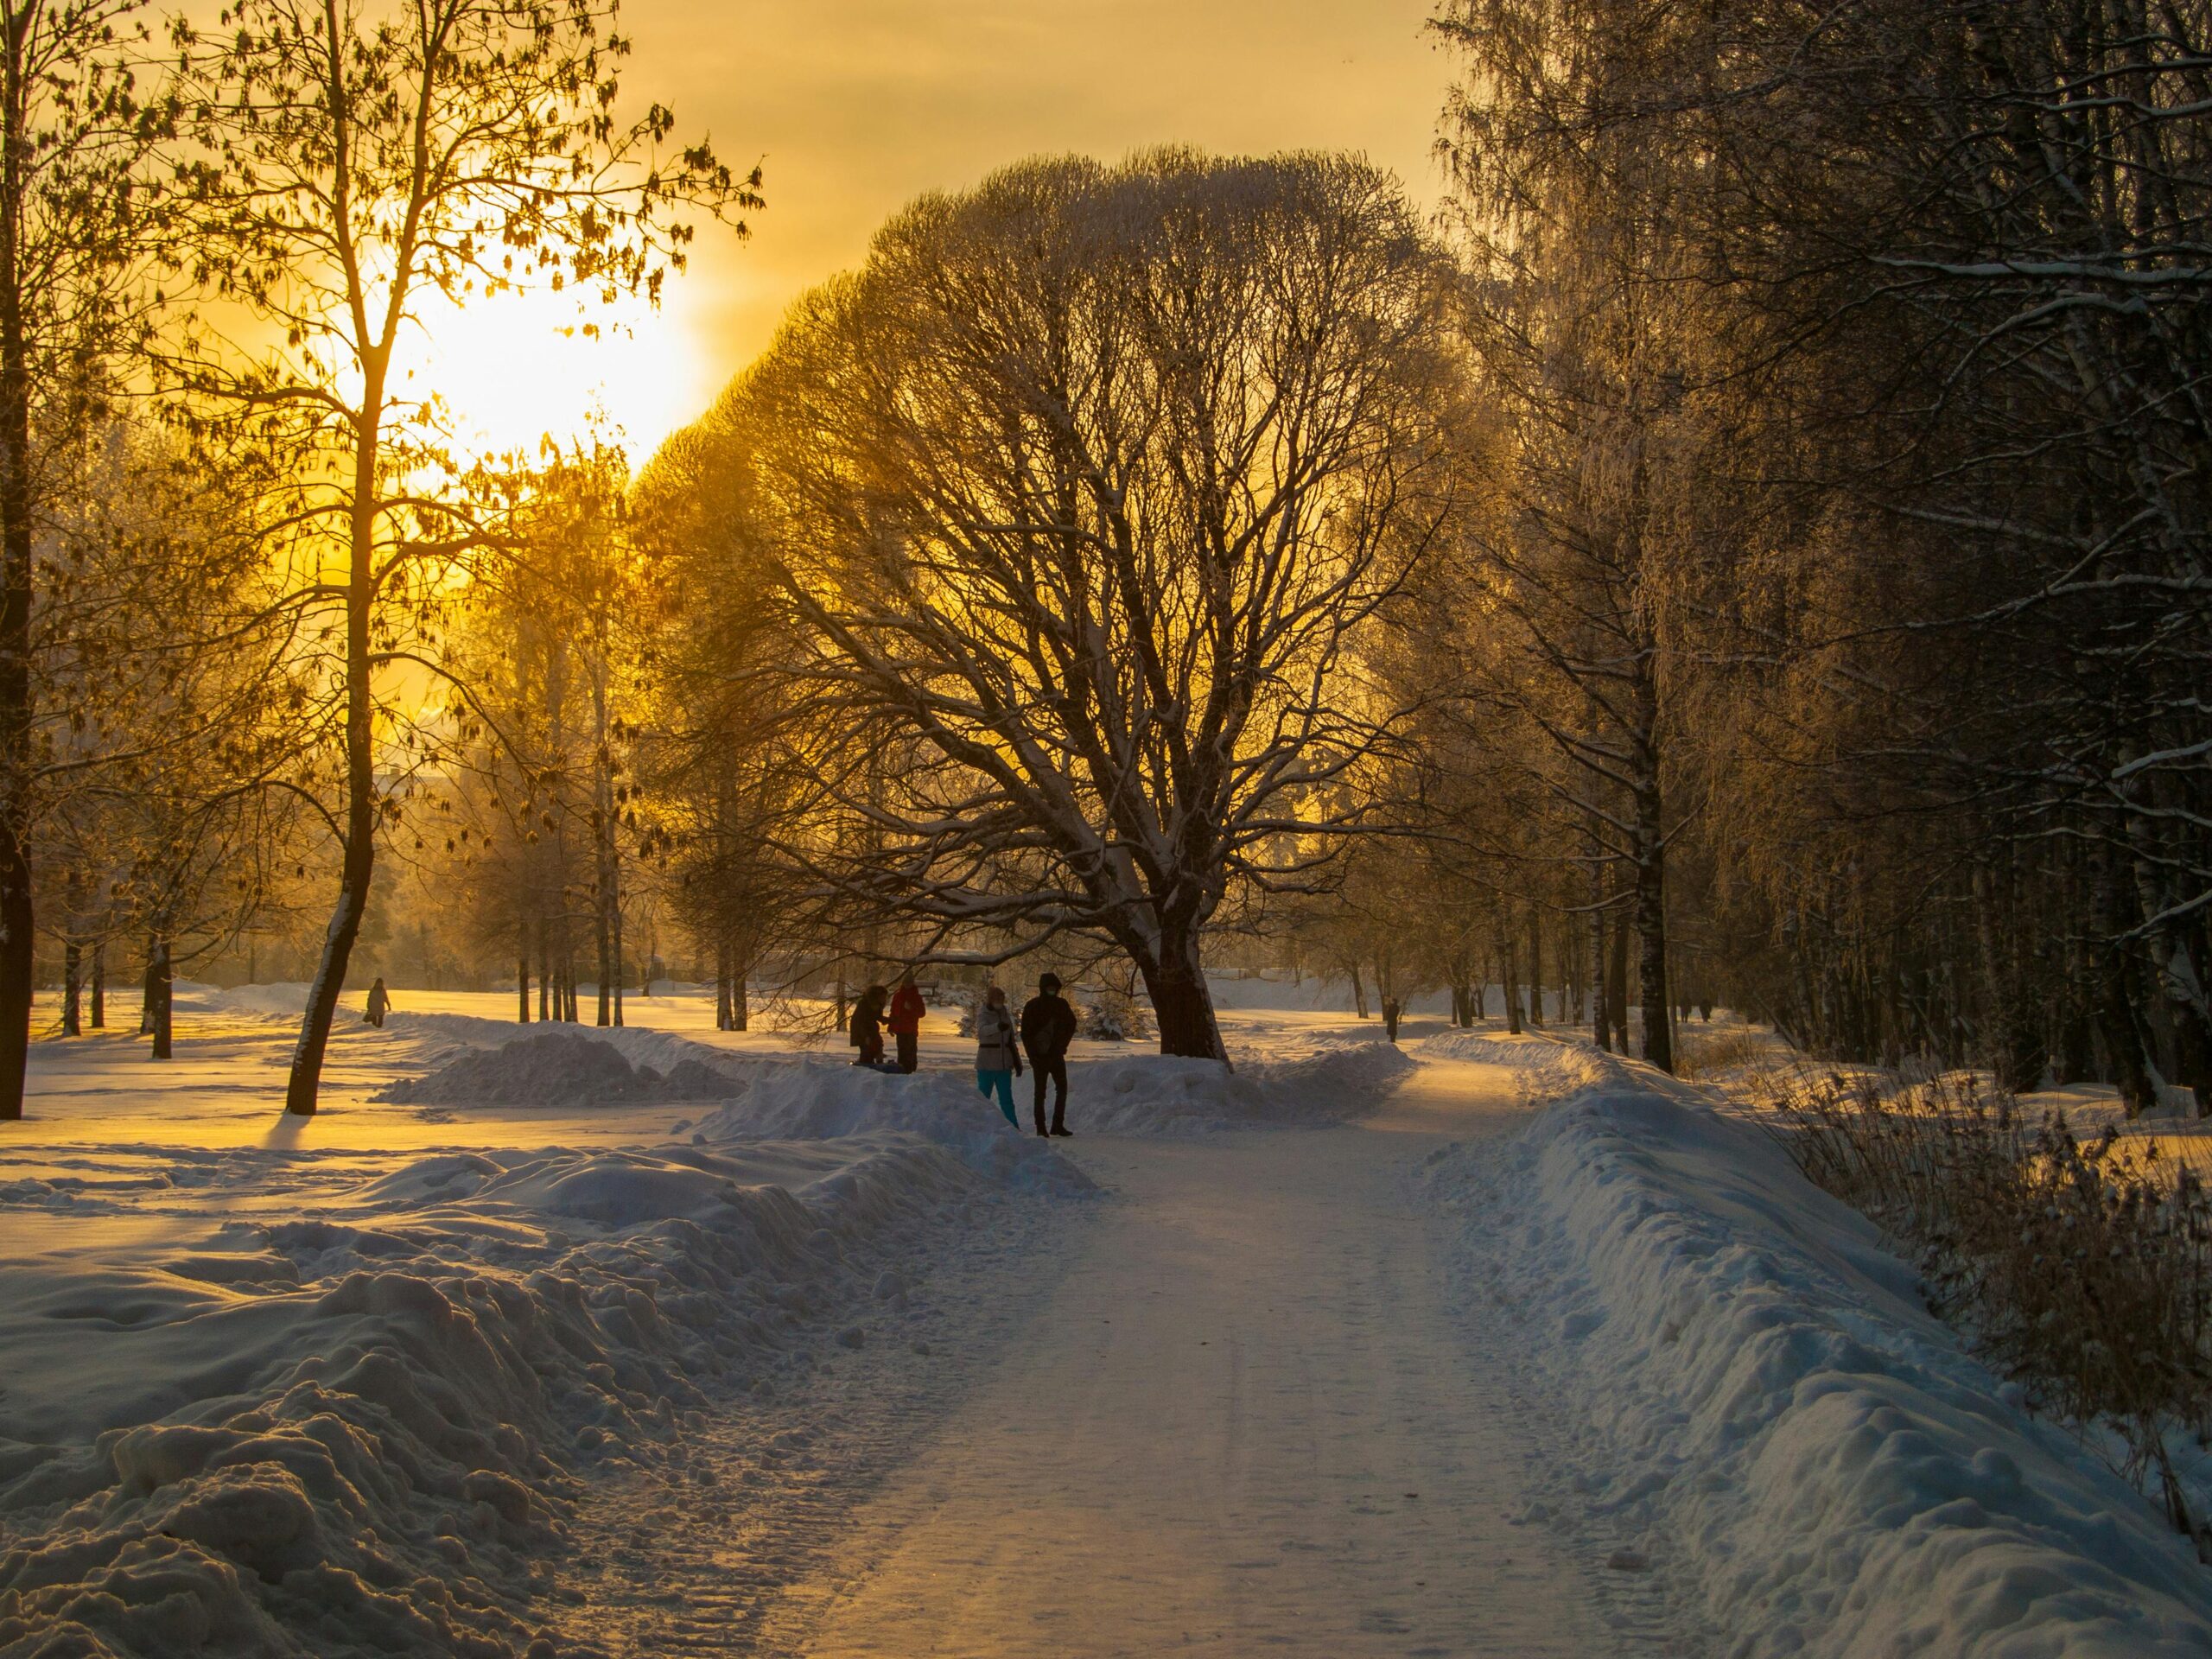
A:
x: 1080, y: 496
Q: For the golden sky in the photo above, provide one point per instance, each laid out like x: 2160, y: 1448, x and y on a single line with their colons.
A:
x: 853, y: 107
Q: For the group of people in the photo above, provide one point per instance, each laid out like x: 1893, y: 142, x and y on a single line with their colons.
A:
x: 1047, y: 1025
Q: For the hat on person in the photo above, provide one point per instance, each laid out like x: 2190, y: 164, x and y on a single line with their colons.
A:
x: 1048, y: 981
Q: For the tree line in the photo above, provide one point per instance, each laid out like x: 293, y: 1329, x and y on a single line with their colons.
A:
x: 1748, y: 552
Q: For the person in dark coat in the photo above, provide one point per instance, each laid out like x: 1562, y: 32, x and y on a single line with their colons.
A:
x: 380, y: 1003
x: 868, y: 1027
x: 1047, y: 1028
x: 906, y: 1022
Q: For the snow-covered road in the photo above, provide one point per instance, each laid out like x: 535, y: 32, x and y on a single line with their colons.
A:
x: 1247, y: 1419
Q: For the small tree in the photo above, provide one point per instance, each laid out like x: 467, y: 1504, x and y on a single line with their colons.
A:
x: 352, y: 163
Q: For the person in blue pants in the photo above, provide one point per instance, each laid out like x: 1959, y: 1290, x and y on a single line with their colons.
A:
x: 998, y: 1056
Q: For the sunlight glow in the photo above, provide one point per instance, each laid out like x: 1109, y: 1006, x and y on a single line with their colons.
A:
x: 515, y: 368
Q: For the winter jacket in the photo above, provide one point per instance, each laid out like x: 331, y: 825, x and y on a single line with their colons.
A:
x: 1047, y: 1027
x: 906, y: 1011
x: 867, y: 1026
x: 995, y: 1049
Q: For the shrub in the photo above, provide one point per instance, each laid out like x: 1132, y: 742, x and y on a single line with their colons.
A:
x: 2081, y: 1267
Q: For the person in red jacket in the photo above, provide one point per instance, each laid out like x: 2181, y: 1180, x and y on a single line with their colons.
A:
x: 905, y: 1021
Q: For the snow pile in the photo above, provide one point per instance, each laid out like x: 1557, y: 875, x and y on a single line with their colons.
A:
x: 359, y: 1431
x: 560, y: 1066
x: 1773, y: 1416
x: 1127, y: 1094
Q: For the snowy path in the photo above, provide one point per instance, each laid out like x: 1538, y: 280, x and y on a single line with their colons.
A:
x: 1245, y: 1419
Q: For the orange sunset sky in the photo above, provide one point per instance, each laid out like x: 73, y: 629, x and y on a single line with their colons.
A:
x: 855, y: 107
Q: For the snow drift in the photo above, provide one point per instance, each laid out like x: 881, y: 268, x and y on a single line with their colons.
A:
x: 1775, y: 1418
x: 352, y: 1418
x: 560, y: 1067
x: 1132, y: 1094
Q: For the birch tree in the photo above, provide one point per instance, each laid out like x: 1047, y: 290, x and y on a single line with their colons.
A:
x: 353, y: 165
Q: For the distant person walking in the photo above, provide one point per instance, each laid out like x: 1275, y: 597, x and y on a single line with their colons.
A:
x: 1047, y: 1028
x: 867, y: 1026
x: 998, y: 1058
x: 906, y: 1011
x: 380, y: 1003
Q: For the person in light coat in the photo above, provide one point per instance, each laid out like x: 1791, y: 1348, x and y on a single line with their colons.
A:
x: 998, y: 1055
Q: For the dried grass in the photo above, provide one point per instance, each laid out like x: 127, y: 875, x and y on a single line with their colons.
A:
x: 2081, y: 1267
x: 1704, y: 1052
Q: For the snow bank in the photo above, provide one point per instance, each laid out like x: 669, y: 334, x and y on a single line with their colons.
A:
x: 1775, y: 1418
x: 359, y: 1428
x: 560, y: 1066
x: 1128, y: 1094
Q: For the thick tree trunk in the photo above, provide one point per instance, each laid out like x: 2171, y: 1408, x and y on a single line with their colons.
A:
x: 722, y: 1010
x: 1358, y: 994
x: 1175, y: 979
x: 1617, y: 980
x: 72, y: 989
x: 545, y: 971
x: 99, y: 985
x: 1651, y: 933
x: 741, y: 1005
x: 1508, y: 960
x: 522, y: 978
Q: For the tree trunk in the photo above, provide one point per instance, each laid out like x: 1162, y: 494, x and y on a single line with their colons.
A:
x: 99, y: 985
x: 723, y: 1013
x: 72, y: 989
x: 1651, y: 932
x: 1358, y: 993
x: 605, y: 943
x: 1600, y: 1003
x: 545, y: 971
x: 614, y: 925
x: 1508, y: 962
x: 1535, y: 969
x: 741, y: 1005
x: 160, y: 997
x: 1617, y: 981
x: 1175, y: 979
x: 18, y: 963
x: 2118, y: 1020
x: 522, y: 975
x: 357, y: 866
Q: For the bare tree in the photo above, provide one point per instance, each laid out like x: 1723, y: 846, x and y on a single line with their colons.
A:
x: 1080, y: 498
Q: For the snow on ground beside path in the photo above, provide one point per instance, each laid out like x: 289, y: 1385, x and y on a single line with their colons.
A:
x: 347, y: 1384
x: 340, y: 1388
x: 1770, y: 1414
x: 292, y: 1399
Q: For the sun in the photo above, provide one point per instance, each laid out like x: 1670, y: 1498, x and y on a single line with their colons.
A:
x: 515, y: 369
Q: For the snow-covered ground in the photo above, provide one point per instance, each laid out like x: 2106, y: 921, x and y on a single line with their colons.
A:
x: 1746, y: 1388
x: 701, y: 1342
